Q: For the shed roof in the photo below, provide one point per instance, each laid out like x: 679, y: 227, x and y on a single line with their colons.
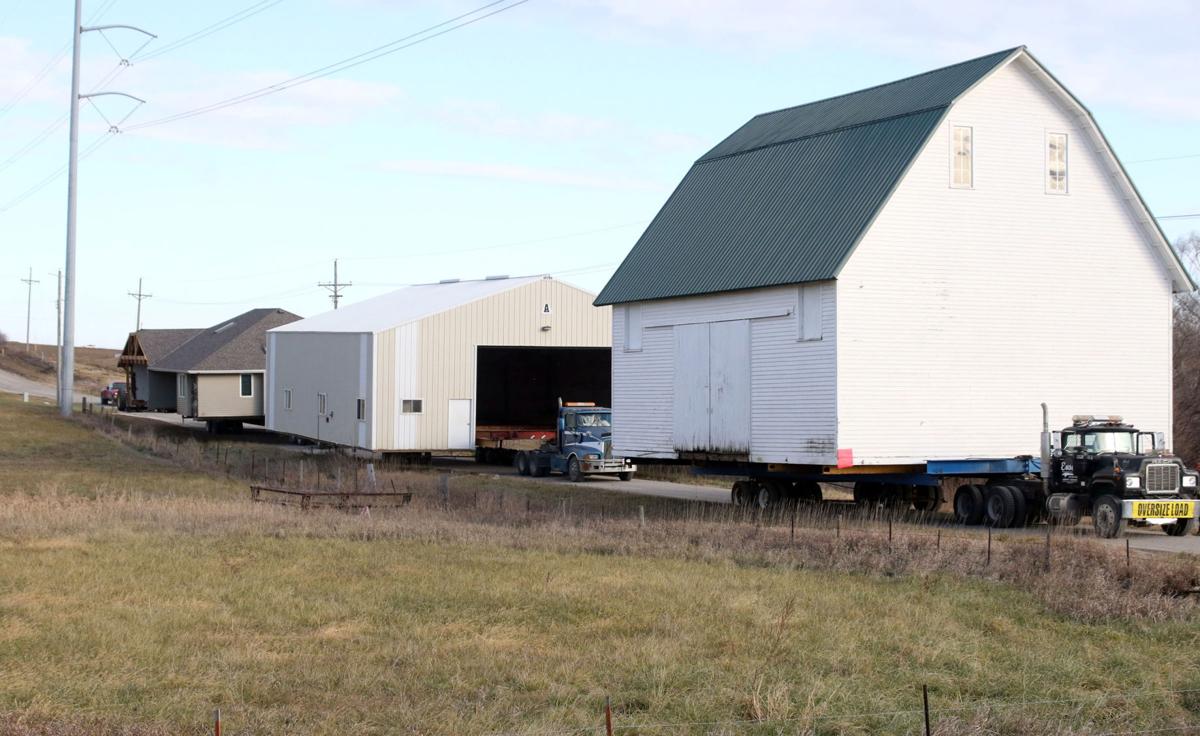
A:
x: 785, y: 198
x: 405, y: 305
x: 233, y: 345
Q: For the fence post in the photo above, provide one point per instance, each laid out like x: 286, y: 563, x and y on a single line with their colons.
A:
x: 1047, y: 549
x: 608, y: 716
x: 217, y: 722
x: 925, y: 697
x: 252, y: 465
x: 839, y: 526
x: 939, y: 540
x: 1128, y: 560
x: 642, y: 516
x: 989, y: 550
x: 793, y: 531
x: 444, y: 487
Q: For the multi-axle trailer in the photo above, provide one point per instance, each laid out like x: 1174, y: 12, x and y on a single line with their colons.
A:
x: 1099, y: 466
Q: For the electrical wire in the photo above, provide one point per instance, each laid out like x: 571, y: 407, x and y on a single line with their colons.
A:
x: 1163, y: 158
x: 226, y: 22
x: 1178, y: 217
x: 412, y: 39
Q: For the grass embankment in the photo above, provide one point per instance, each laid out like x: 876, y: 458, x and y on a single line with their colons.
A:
x: 136, y: 595
x: 95, y: 368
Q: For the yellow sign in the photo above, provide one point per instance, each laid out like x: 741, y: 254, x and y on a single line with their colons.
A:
x: 1164, y: 509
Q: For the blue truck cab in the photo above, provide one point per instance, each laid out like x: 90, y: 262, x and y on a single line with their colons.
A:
x: 582, y: 446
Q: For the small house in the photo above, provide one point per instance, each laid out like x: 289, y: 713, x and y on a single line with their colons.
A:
x: 149, y: 389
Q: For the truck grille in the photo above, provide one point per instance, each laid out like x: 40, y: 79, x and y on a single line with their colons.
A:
x: 1162, y: 478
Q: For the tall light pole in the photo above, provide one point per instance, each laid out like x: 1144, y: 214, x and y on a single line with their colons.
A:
x: 66, y: 391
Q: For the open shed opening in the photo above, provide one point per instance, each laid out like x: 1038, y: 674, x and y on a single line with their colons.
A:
x: 520, y: 386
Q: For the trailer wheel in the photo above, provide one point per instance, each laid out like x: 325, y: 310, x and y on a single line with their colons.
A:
x: 999, y: 507
x: 1106, y: 518
x: 806, y: 491
x: 768, y: 495
x: 742, y: 492
x: 574, y: 469
x: 867, y: 494
x: 1180, y: 528
x: 968, y: 505
x: 927, y: 499
x: 522, y: 463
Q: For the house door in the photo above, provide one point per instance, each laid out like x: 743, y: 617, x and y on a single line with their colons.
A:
x: 462, y: 436
x: 711, y: 398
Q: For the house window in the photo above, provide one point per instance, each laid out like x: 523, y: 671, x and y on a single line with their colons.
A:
x: 287, y: 399
x: 1056, y: 163
x: 808, y: 312
x: 247, y: 387
x: 962, y: 158
x: 362, y: 409
x: 411, y: 406
x: 182, y: 382
x: 633, y: 327
x: 321, y: 404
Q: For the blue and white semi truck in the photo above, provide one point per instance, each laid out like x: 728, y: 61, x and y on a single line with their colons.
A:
x: 582, y: 446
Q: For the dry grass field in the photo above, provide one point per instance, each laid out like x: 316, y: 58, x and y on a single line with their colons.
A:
x: 95, y: 368
x: 139, y: 590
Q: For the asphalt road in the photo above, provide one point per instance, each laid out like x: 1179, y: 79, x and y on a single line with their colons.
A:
x: 14, y: 384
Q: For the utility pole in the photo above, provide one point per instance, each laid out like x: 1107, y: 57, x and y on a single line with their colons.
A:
x: 28, y: 303
x: 335, y: 288
x: 139, y: 296
x: 66, y: 369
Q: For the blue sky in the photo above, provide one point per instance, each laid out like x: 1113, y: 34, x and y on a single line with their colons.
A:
x: 538, y: 140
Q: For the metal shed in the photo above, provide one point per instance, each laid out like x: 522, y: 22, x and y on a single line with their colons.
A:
x: 425, y: 369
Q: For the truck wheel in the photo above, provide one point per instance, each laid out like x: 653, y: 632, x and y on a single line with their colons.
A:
x: 1106, y: 518
x: 1020, y: 507
x: 968, y: 505
x: 574, y: 470
x: 1180, y: 528
x: 927, y: 499
x: 522, y: 463
x: 742, y: 492
x: 998, y: 507
x: 626, y: 476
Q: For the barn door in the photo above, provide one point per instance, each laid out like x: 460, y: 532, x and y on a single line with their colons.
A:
x: 690, y: 431
x: 461, y: 436
x: 729, y: 386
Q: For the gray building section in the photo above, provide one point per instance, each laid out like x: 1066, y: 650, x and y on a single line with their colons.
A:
x: 322, y: 378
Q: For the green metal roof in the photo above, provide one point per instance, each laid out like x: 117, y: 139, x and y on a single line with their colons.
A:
x: 785, y: 198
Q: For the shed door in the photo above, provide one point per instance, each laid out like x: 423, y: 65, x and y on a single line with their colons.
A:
x: 690, y: 403
x: 729, y: 381
x: 461, y: 435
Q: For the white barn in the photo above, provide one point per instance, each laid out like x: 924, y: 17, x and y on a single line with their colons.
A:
x: 896, y: 275
x: 421, y: 369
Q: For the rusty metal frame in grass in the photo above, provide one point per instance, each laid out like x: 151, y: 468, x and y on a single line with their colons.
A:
x: 350, y: 500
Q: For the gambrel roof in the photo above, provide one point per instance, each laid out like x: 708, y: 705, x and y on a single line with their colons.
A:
x: 787, y: 197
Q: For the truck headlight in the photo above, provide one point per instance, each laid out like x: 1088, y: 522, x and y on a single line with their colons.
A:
x: 592, y: 456
x: 1189, y: 481
x: 1132, y: 481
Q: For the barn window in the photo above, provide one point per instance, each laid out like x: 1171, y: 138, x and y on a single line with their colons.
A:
x: 182, y: 382
x: 411, y: 406
x: 633, y: 327
x: 962, y: 158
x: 808, y: 312
x: 362, y: 409
x: 287, y: 399
x: 247, y: 387
x: 1056, y: 163
x: 321, y: 404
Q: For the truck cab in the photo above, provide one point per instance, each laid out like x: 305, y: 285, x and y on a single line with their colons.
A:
x: 582, y: 446
x: 1121, y: 476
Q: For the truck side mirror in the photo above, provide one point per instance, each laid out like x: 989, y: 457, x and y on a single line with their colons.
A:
x: 1056, y: 442
x: 1160, y: 440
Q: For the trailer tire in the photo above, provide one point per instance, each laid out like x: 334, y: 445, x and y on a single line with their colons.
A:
x: 968, y: 505
x: 927, y: 499
x: 1180, y: 528
x: 806, y: 491
x: 999, y: 507
x: 1020, y: 507
x: 574, y: 469
x: 769, y: 494
x: 868, y: 494
x: 741, y: 493
x: 1106, y: 517
x: 522, y: 463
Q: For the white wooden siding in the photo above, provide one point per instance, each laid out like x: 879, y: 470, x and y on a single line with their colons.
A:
x: 963, y: 309
x: 791, y: 387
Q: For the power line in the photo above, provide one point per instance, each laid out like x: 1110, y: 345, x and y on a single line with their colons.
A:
x: 226, y: 22
x: 1178, y: 217
x: 412, y: 39
x: 1164, y: 158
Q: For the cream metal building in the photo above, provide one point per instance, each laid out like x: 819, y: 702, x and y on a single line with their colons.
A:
x: 420, y: 370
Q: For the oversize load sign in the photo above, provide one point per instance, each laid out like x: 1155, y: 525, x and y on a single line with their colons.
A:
x: 1163, y: 509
